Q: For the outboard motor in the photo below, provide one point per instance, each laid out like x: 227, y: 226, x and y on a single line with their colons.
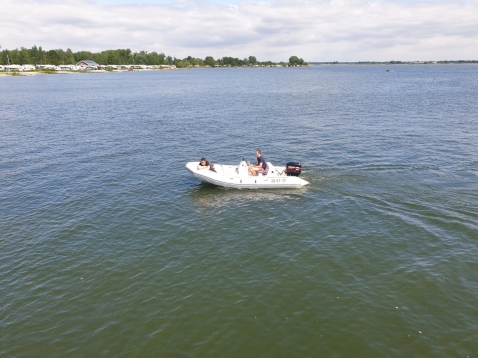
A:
x: 293, y: 169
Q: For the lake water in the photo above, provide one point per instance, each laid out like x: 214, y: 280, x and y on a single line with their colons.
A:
x: 109, y: 247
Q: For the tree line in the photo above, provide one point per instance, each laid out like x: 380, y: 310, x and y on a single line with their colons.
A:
x: 38, y: 56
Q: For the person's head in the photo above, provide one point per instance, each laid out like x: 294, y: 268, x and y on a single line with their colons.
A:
x: 258, y: 152
x: 203, y: 161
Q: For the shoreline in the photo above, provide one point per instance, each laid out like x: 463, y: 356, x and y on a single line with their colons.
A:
x: 36, y: 73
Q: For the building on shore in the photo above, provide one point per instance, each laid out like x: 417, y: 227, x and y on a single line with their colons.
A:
x: 88, y: 64
x: 20, y: 68
x: 10, y: 68
x: 70, y: 68
x: 46, y: 67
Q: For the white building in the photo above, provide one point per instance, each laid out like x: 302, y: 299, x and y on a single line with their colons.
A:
x: 88, y: 64
x: 10, y: 68
x: 29, y: 68
x: 69, y: 68
x: 46, y: 67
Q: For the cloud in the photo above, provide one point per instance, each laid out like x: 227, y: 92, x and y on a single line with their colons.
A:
x: 323, y: 30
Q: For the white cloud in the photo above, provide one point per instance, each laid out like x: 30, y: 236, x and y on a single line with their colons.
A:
x: 324, y: 30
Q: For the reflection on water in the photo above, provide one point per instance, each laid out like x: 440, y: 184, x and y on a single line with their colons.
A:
x: 209, y: 195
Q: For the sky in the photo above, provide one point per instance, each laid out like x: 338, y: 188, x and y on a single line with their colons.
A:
x: 322, y: 30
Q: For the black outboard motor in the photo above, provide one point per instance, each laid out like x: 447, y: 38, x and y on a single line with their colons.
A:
x: 293, y: 169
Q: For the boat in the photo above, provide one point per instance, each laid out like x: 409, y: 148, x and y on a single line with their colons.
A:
x: 237, y: 176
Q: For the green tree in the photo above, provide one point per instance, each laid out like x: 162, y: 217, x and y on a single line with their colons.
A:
x: 24, y: 56
x: 69, y: 58
x: 61, y: 56
x: 53, y: 57
x: 294, y: 61
x: 209, y: 61
x: 152, y: 58
x: 232, y: 61
x: 161, y: 58
x: 124, y: 56
x: 12, y: 56
x: 83, y: 55
x: 34, y: 55
x: 140, y: 58
x: 182, y: 64
x: 111, y: 58
x: 252, y: 60
x: 41, y: 56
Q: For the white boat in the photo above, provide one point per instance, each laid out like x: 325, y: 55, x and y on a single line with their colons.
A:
x: 237, y: 176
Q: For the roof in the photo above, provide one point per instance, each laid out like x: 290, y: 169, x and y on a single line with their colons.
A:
x: 87, y: 63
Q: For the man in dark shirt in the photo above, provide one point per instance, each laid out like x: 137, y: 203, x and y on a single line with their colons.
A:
x: 261, y: 166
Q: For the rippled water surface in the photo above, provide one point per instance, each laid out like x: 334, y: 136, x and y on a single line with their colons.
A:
x: 108, y: 247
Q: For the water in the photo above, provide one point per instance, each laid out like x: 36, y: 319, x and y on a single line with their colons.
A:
x: 109, y: 247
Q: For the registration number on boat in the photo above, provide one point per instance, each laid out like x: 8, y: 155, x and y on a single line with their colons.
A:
x: 278, y: 180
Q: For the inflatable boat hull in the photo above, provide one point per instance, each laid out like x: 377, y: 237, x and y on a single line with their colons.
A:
x: 236, y: 176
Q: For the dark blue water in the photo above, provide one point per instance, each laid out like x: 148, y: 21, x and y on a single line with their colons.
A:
x: 109, y: 247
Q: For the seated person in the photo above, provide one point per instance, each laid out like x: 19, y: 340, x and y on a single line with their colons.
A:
x: 204, y: 164
x: 261, y: 166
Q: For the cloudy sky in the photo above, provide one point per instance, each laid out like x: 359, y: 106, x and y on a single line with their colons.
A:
x: 322, y: 30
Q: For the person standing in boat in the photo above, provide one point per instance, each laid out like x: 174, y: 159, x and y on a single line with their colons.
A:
x: 261, y: 164
x: 204, y: 164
